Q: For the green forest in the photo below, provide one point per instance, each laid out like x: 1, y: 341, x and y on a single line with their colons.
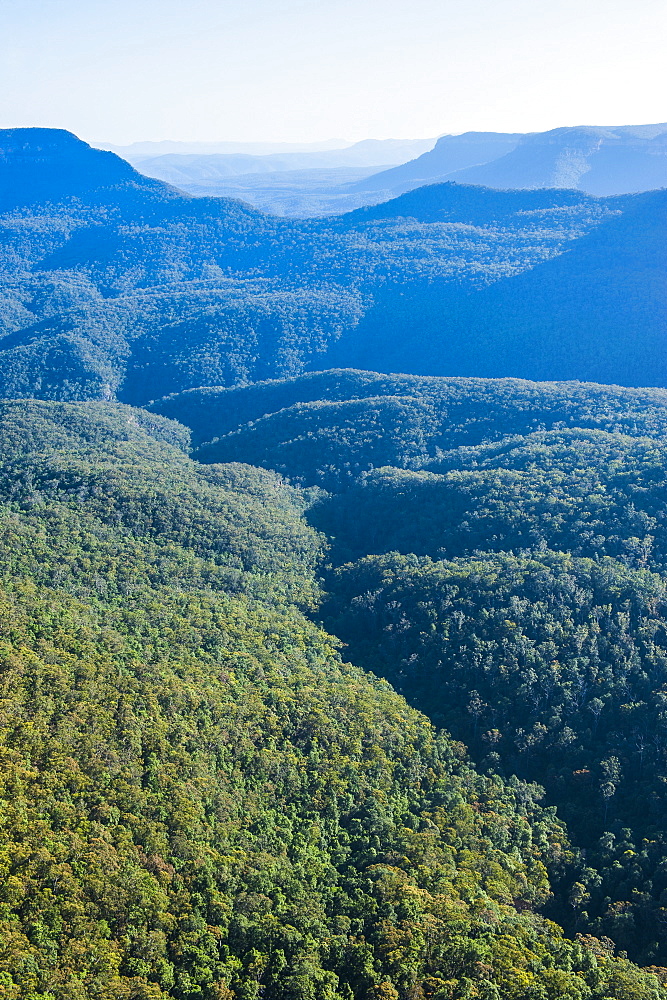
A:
x: 200, y: 798
x: 209, y: 787
x: 497, y: 551
x: 329, y: 684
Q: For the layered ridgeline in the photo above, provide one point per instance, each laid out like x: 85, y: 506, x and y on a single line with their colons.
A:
x: 598, y: 160
x: 199, y: 799
x: 284, y: 179
x: 113, y: 285
x: 109, y: 278
x: 327, y: 427
x: 499, y: 552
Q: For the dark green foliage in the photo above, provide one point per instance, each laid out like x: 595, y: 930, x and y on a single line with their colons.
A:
x: 550, y: 667
x: 198, y: 798
x: 332, y: 442
x: 323, y: 428
x: 503, y: 477
x: 212, y: 412
x: 587, y: 492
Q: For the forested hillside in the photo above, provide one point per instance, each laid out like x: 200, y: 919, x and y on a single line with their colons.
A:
x: 498, y: 552
x: 113, y: 285
x: 329, y: 685
x: 327, y: 426
x: 199, y: 799
x: 597, y: 312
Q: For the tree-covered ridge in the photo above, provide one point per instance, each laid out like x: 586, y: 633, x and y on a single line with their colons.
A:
x: 89, y: 474
x: 596, y: 312
x: 590, y: 493
x: 332, y: 442
x: 550, y: 667
x: 505, y: 571
x: 199, y: 798
x: 474, y: 205
x: 325, y: 427
x: 113, y: 285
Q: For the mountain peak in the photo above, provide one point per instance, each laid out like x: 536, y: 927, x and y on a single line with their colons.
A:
x: 33, y: 141
x: 46, y: 164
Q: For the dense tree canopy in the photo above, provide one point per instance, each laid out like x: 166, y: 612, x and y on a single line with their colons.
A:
x: 505, y: 571
x: 218, y: 635
x: 199, y: 798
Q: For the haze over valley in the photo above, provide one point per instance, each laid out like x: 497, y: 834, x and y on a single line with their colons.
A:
x: 597, y: 160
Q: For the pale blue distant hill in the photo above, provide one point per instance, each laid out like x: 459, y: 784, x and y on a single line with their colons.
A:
x: 598, y: 160
x: 291, y: 180
x: 450, y: 153
x: 195, y: 168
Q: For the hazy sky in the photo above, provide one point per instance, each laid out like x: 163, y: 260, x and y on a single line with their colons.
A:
x: 302, y: 70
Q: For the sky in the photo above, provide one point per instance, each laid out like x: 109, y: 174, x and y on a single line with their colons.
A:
x: 121, y: 71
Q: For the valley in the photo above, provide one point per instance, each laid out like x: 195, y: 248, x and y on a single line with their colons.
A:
x: 333, y: 655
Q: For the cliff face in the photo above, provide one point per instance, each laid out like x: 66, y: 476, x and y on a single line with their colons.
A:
x: 599, y: 161
x: 44, y: 163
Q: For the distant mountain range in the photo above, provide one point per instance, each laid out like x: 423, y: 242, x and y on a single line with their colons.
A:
x: 199, y: 167
x: 115, y: 285
x: 287, y: 179
x: 135, y: 151
x: 598, y: 160
x: 451, y: 153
